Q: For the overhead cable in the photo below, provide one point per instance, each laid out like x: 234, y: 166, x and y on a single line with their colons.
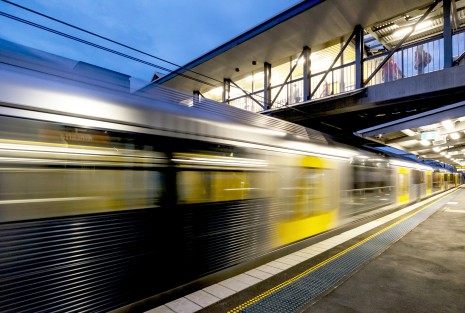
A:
x: 107, y: 39
x: 97, y: 46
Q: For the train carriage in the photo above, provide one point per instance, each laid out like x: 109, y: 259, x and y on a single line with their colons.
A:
x: 108, y: 197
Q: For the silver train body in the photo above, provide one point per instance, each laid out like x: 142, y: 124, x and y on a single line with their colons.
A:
x: 109, y: 197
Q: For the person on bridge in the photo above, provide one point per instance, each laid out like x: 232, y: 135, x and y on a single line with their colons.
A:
x: 422, y: 59
x: 390, y: 71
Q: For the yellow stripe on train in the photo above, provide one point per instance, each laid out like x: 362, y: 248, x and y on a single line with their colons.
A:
x: 294, y: 230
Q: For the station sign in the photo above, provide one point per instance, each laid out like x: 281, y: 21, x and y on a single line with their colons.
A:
x: 429, y: 135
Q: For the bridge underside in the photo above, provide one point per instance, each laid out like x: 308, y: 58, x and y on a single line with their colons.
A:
x: 344, y: 114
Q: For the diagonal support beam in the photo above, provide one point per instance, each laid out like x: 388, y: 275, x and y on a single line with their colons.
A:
x: 247, y: 94
x: 334, y: 62
x: 288, y: 77
x: 400, y: 43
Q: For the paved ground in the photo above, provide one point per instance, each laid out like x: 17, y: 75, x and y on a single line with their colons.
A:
x: 423, y: 272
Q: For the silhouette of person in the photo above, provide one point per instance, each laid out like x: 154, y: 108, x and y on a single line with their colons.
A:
x: 422, y: 59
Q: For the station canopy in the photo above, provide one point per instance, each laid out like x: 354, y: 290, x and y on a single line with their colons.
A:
x: 437, y: 135
x: 317, y: 24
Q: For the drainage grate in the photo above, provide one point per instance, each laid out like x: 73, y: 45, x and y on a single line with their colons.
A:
x: 295, y: 293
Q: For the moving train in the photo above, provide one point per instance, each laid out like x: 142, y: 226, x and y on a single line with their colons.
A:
x: 109, y: 197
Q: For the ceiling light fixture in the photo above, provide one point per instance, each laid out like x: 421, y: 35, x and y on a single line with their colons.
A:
x: 454, y: 136
x: 447, y: 124
x: 408, y: 132
x: 424, y: 142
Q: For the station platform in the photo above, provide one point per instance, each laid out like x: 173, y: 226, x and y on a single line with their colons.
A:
x: 411, y: 260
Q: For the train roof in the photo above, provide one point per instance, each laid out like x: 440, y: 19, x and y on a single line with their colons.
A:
x: 92, y: 80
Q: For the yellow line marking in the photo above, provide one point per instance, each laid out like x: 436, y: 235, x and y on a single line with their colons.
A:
x: 297, y: 277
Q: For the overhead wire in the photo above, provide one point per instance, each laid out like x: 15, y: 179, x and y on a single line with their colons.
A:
x: 96, y: 45
x: 107, y: 39
x: 177, y: 71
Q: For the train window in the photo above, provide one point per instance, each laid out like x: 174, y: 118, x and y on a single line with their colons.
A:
x: 310, y: 192
x: 212, y: 186
x: 41, y: 176
x: 193, y: 186
x: 418, y: 177
x: 367, y: 179
x: 403, y: 185
x: 211, y: 178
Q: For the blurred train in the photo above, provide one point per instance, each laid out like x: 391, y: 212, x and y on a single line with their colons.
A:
x: 109, y: 197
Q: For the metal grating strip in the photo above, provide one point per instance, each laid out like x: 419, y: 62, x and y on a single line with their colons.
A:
x: 295, y: 293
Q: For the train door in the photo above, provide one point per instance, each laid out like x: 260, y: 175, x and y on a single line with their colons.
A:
x: 313, y: 196
x: 402, y: 185
x: 429, y: 183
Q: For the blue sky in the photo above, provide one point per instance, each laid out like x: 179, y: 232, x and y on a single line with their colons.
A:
x: 175, y: 30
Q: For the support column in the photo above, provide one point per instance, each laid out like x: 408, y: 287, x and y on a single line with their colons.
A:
x: 446, y: 4
x: 267, y: 86
x: 307, y: 82
x: 342, y: 83
x: 358, y: 57
x: 226, y: 90
x: 196, y: 97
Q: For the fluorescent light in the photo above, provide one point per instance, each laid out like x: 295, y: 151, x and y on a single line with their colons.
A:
x: 448, y: 124
x: 408, y: 132
x: 443, y: 153
x: 424, y: 24
x: 424, y: 142
x: 437, y: 149
x: 405, y: 30
x: 454, y: 136
x: 402, y: 32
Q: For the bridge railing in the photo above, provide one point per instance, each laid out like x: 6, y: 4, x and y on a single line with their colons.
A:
x: 408, y: 61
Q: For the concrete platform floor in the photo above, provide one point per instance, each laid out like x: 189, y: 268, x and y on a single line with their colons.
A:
x: 423, y: 272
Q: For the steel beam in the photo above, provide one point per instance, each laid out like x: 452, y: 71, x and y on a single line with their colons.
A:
x: 358, y: 56
x: 247, y: 94
x: 287, y: 78
x: 334, y: 62
x: 267, y: 86
x: 306, y: 71
x: 196, y: 97
x: 226, y: 90
x: 446, y: 6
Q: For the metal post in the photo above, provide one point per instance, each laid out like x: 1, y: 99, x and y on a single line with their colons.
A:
x: 446, y: 4
x: 226, y: 90
x: 358, y: 57
x: 196, y: 97
x: 267, y: 85
x: 342, y: 86
x: 307, y: 82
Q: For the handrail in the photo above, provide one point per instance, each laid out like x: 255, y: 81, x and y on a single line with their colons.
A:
x: 404, y: 63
